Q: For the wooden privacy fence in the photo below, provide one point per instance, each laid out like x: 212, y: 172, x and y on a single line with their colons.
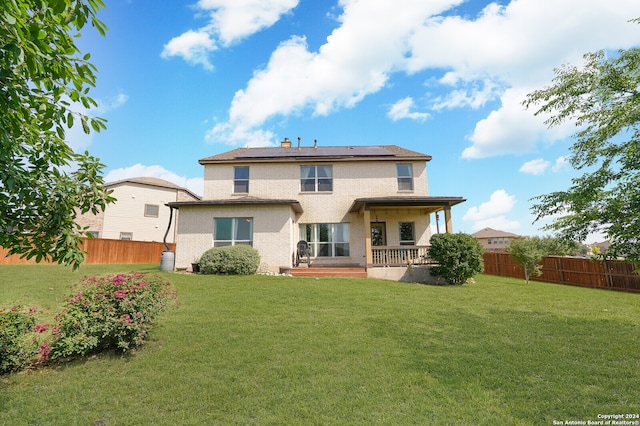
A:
x: 104, y: 251
x: 610, y: 274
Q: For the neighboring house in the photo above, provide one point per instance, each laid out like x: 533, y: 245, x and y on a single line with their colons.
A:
x: 494, y: 240
x: 361, y: 205
x: 140, y: 212
x: 602, y: 246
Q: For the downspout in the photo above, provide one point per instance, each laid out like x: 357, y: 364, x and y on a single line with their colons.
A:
x: 164, y: 240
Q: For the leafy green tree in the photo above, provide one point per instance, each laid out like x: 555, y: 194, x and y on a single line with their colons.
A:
x: 459, y: 257
x: 528, y: 253
x: 44, y: 184
x: 603, y: 99
x: 553, y: 246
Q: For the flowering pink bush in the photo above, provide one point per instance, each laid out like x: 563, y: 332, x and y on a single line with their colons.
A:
x: 104, y: 312
x: 44, y: 351
x: 40, y: 328
x: 109, y: 312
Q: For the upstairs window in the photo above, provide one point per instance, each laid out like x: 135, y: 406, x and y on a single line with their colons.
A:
x: 405, y: 177
x: 230, y: 231
x: 240, y: 180
x: 151, y: 210
x: 126, y: 236
x: 316, y: 178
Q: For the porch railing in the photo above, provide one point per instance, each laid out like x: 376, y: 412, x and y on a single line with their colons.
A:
x: 400, y: 255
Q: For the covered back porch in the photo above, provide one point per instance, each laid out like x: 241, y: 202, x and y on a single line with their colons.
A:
x: 413, y: 217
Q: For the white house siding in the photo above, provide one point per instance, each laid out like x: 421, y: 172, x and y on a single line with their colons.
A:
x: 127, y: 214
x: 273, y: 232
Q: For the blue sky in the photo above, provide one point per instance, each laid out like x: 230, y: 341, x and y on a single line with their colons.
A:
x: 443, y: 77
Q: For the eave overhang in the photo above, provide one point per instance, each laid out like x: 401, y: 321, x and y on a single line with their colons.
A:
x: 431, y: 204
x: 294, y: 204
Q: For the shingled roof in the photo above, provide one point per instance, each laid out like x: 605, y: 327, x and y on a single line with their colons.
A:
x: 151, y: 181
x: 333, y: 153
x: 493, y: 233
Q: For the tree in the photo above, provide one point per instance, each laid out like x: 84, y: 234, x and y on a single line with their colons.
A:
x: 44, y: 184
x: 528, y: 253
x: 603, y: 98
x: 459, y: 257
x: 553, y: 246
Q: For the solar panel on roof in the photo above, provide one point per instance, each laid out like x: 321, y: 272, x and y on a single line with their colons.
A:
x: 328, y: 151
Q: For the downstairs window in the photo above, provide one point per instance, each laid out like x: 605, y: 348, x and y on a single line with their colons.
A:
x: 229, y: 231
x: 326, y: 239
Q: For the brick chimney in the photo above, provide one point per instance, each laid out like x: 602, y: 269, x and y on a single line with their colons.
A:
x: 286, y: 143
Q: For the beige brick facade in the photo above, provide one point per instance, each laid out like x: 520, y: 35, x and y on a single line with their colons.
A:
x: 350, y: 180
x: 273, y: 232
x: 275, y: 181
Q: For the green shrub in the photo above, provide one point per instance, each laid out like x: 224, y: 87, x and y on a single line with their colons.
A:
x: 459, y: 257
x: 109, y: 312
x: 17, y: 349
x: 233, y: 260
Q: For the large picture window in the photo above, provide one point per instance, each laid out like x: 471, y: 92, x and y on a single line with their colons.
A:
x: 229, y: 231
x: 240, y: 180
x: 405, y: 177
x: 326, y: 239
x: 316, y: 178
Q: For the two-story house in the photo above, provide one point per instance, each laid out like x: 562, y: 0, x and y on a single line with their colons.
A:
x: 354, y: 205
x: 140, y: 211
x: 494, y: 240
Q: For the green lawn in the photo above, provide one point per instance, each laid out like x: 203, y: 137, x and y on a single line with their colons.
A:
x: 281, y: 350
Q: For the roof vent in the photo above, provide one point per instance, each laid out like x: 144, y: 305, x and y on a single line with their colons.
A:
x: 286, y: 143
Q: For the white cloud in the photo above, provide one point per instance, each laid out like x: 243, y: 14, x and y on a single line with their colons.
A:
x: 195, y: 185
x: 356, y: 60
x: 193, y: 46
x: 233, y: 20
x: 500, y: 55
x: 510, y: 129
x: 229, y: 22
x: 492, y: 213
x: 517, y: 46
x: 475, y: 96
x: 535, y: 167
x: 402, y: 109
x: 247, y: 138
x: 562, y: 163
x: 522, y: 41
x: 540, y: 166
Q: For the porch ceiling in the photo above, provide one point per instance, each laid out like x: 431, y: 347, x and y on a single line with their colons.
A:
x: 431, y: 204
